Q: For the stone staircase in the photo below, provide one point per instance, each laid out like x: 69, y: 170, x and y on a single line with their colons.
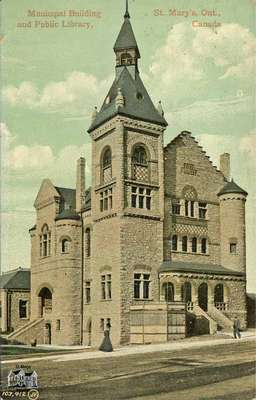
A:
x: 29, y: 332
x: 222, y: 320
x: 204, y: 322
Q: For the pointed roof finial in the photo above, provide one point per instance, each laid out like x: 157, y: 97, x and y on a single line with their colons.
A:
x: 126, y: 15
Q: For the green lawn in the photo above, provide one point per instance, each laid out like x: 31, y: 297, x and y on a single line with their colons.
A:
x: 16, y: 350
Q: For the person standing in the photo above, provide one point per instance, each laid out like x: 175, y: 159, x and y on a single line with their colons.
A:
x: 236, y: 328
x: 106, y: 344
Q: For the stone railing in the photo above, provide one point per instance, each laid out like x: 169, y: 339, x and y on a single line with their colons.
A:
x: 221, y: 306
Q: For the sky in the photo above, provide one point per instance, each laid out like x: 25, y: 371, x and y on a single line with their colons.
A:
x: 198, y: 57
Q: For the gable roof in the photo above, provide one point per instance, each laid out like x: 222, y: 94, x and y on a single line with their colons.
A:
x: 137, y: 103
x: 232, y: 187
x: 16, y: 279
x: 179, y: 266
x: 187, y: 134
x: 126, y: 38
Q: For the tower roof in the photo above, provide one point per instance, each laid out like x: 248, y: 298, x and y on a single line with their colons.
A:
x: 137, y: 103
x: 126, y: 38
x: 232, y: 187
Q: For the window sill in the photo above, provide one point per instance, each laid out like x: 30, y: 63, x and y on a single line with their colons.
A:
x: 134, y: 299
x: 105, y: 300
x: 24, y: 318
x: 189, y: 253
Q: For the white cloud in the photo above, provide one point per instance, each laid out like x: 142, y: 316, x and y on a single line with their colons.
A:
x: 26, y: 95
x: 24, y: 157
x: 76, y: 94
x: 204, y: 62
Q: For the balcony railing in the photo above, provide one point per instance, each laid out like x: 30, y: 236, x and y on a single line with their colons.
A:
x: 221, y: 306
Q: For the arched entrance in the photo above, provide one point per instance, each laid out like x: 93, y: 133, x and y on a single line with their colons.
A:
x: 203, y: 296
x: 168, y: 292
x: 45, y: 296
x: 48, y: 333
x: 186, y: 295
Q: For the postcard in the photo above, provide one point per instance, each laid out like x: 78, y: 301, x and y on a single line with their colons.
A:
x: 128, y: 194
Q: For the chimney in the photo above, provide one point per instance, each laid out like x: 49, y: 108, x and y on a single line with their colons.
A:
x: 225, y: 165
x: 80, y: 184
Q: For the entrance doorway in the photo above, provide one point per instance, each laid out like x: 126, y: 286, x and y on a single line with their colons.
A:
x: 48, y: 333
x: 203, y: 296
x: 45, y: 296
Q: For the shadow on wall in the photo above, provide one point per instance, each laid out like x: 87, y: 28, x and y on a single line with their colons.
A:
x: 251, y: 310
x: 197, y: 325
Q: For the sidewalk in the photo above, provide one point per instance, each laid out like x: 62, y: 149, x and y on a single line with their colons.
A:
x: 136, y: 349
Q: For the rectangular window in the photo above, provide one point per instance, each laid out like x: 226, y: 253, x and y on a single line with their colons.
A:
x: 106, y: 287
x: 137, y: 283
x: 184, y: 243
x: 232, y: 248
x: 186, y: 208
x: 0, y: 309
x: 103, y: 287
x: 194, y: 245
x: 141, y: 201
x: 58, y: 325
x: 202, y: 210
x: 141, y: 286
x: 109, y: 293
x: 23, y: 308
x: 146, y: 286
x: 88, y: 292
x: 192, y: 208
x: 203, y: 246
x: 176, y: 206
x: 106, y: 200
x: 141, y: 198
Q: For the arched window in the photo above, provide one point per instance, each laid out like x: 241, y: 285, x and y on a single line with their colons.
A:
x: 45, y: 242
x: 65, y: 245
x: 106, y: 165
x: 139, y: 164
x: 168, y: 292
x: 174, y: 242
x: 88, y: 242
x: 184, y: 243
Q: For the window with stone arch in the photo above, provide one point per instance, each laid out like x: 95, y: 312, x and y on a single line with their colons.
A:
x: 140, y: 163
x: 106, y: 165
x: 65, y: 244
x: 45, y: 241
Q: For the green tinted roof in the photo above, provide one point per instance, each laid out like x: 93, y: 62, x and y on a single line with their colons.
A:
x: 232, y: 187
x: 137, y: 103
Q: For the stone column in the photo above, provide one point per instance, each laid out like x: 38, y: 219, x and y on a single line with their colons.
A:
x: 4, y: 311
x: 194, y: 293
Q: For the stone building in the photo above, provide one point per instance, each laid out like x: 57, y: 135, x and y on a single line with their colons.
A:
x: 156, y: 245
x: 14, y: 299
